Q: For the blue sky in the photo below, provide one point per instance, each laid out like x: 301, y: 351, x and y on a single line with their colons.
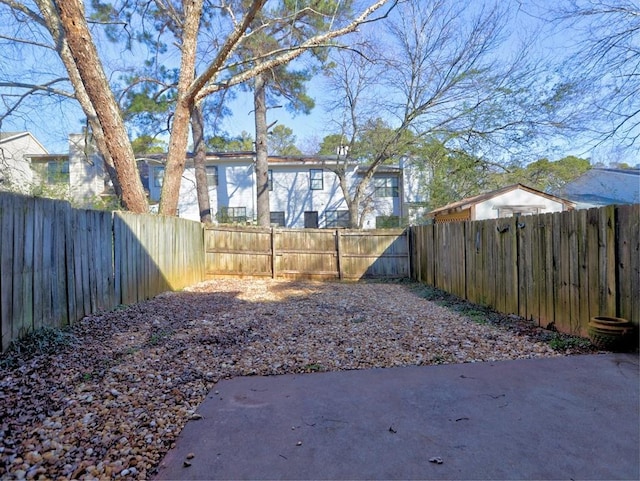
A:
x: 51, y: 121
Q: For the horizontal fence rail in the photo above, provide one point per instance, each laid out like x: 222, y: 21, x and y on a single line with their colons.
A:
x: 59, y: 264
x: 311, y: 253
x: 557, y: 269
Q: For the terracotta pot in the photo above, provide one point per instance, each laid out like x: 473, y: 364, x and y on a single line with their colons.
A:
x: 612, y: 333
x: 609, y: 321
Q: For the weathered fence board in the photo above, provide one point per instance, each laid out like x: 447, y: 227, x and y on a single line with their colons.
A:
x: 556, y: 269
x: 20, y: 277
x: 311, y: 253
x: 582, y: 294
x: 545, y: 248
x: 58, y: 264
x: 628, y: 261
x: 6, y: 267
x: 607, y: 260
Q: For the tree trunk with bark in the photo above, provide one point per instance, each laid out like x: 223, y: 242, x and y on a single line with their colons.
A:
x: 177, y: 153
x: 97, y: 88
x: 199, y: 160
x: 262, y: 157
x: 51, y: 20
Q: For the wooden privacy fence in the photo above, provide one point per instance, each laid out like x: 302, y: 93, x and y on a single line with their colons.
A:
x: 58, y: 264
x: 313, y: 253
x: 557, y: 269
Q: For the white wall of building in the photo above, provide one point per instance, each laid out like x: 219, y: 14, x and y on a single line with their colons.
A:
x: 15, y: 166
x: 416, y: 178
x: 87, y: 172
x: 291, y: 193
x: 504, y: 205
x: 236, y: 188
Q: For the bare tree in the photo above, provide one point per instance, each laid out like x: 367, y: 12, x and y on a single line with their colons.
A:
x: 437, y: 76
x: 605, y: 64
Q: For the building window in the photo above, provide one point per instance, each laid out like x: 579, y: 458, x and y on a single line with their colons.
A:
x: 315, y: 179
x: 277, y: 218
x: 58, y: 172
x: 212, y: 175
x: 337, y: 218
x: 311, y: 219
x: 158, y: 176
x: 386, y: 186
x: 517, y: 211
x: 270, y: 179
x: 387, y: 221
x: 232, y: 215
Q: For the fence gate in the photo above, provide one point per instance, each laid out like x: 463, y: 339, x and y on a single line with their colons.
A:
x: 306, y: 253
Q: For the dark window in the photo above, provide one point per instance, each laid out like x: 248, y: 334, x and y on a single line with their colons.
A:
x: 58, y: 172
x: 270, y: 179
x: 311, y: 220
x: 277, y: 218
x: 158, y: 175
x: 387, y: 221
x: 315, y: 179
x: 386, y: 186
x: 212, y: 175
x: 337, y: 218
x: 232, y: 215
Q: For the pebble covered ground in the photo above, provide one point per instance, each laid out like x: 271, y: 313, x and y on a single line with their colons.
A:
x: 108, y: 397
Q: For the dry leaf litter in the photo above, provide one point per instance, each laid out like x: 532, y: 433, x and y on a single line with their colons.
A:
x: 112, y: 398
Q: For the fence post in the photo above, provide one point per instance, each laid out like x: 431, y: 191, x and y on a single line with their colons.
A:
x: 273, y: 252
x: 607, y: 261
x: 415, y: 252
x: 339, y: 254
x: 407, y: 234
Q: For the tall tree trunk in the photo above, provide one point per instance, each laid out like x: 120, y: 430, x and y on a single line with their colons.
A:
x: 262, y: 162
x: 354, y: 213
x: 199, y: 160
x: 353, y: 201
x: 95, y: 82
x: 177, y: 154
x: 52, y: 22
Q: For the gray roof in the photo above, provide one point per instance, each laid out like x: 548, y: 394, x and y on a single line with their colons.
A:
x: 598, y: 187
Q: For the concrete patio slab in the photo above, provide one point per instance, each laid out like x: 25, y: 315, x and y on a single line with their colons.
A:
x: 571, y: 417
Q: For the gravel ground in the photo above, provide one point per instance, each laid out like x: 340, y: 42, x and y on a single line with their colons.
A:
x: 108, y: 397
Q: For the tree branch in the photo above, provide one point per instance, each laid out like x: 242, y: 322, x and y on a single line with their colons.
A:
x: 227, y: 48
x: 200, y: 91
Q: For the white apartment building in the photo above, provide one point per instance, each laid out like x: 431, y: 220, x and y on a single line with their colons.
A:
x: 303, y: 191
